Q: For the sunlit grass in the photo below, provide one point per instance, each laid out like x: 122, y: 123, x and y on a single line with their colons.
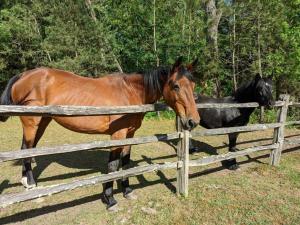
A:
x: 256, y: 194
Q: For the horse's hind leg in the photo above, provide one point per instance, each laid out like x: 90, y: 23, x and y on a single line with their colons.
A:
x: 33, y: 129
x: 232, y: 164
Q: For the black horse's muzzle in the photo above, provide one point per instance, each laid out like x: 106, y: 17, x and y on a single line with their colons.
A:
x: 270, y: 104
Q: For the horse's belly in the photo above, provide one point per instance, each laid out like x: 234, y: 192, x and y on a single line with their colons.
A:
x: 87, y: 124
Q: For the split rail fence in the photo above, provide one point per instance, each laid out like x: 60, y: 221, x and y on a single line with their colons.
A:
x: 182, y: 164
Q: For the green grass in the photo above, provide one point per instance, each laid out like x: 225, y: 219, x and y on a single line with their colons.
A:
x: 256, y: 194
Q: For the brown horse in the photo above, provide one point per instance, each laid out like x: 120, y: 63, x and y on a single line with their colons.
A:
x: 44, y: 86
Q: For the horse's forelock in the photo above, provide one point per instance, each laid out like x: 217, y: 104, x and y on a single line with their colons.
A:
x: 183, y: 72
x: 155, y: 79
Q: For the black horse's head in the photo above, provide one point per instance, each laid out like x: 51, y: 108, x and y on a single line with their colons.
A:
x: 263, y: 91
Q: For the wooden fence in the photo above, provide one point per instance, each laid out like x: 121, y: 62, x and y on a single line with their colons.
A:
x: 182, y: 164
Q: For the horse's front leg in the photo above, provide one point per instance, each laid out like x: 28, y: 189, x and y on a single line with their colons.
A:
x: 112, y: 166
x: 232, y: 164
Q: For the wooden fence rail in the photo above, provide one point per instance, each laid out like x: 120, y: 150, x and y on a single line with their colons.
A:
x: 182, y: 164
x: 32, y: 152
x: 218, y: 158
x: 294, y: 104
x: 63, y: 110
x: 219, y: 131
x: 9, y: 199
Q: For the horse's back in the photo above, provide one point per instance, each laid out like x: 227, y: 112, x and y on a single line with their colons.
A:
x: 46, y: 86
x: 215, y: 117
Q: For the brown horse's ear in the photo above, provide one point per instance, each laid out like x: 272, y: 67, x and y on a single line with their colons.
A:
x: 177, y: 64
x: 191, y: 67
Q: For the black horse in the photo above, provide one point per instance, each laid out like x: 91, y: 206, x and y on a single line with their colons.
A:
x: 258, y: 90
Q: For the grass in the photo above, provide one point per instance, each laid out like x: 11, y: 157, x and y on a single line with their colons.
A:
x: 256, y: 194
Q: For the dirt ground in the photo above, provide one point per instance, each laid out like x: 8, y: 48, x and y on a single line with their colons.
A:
x: 255, y: 194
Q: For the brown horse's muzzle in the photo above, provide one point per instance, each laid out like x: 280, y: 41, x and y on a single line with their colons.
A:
x: 189, y: 123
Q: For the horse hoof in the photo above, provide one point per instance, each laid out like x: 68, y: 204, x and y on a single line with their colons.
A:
x: 113, y: 208
x: 130, y: 196
x: 24, y: 182
x: 234, y: 167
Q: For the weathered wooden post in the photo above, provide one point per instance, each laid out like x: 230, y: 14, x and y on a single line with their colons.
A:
x: 261, y: 114
x: 279, y: 132
x: 183, y: 155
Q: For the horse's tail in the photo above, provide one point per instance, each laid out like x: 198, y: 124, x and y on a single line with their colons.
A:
x: 6, y: 95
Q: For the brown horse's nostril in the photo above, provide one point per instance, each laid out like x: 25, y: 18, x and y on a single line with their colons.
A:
x: 191, y: 124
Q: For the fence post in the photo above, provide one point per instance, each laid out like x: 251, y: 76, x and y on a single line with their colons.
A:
x: 261, y: 114
x: 183, y: 155
x: 279, y: 132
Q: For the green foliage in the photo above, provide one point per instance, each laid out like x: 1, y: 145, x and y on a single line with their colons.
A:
x: 270, y: 116
x: 169, y: 115
x: 92, y: 37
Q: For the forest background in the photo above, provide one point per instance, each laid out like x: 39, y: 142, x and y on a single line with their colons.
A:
x: 233, y: 39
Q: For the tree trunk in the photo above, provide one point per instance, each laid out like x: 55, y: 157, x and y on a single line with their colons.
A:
x: 262, y: 109
x: 154, y: 33
x: 154, y: 41
x: 233, y: 51
x: 258, y: 46
x: 214, y: 15
x: 213, y: 19
x: 190, y: 34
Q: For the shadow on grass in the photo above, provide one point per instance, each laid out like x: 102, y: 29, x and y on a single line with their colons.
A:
x: 94, y: 161
x: 142, y: 183
x: 4, y: 184
x: 90, y: 161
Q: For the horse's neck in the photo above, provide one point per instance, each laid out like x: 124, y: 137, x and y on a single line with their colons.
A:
x: 136, y: 84
x: 243, y: 96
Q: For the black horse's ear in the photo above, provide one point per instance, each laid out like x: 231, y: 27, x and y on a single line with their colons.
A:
x: 191, y: 67
x: 177, y: 63
x: 257, y: 77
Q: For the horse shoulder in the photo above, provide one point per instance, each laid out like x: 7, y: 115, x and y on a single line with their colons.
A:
x: 29, y: 86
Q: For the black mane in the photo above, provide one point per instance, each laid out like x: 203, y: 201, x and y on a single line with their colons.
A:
x: 244, y: 92
x: 156, y: 78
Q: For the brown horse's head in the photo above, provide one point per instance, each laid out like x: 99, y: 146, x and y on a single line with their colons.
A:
x: 178, y: 93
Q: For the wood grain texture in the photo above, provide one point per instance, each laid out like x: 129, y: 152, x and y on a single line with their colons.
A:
x: 38, y: 192
x: 279, y: 131
x: 31, y: 152
x: 230, y: 155
x: 219, y: 131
